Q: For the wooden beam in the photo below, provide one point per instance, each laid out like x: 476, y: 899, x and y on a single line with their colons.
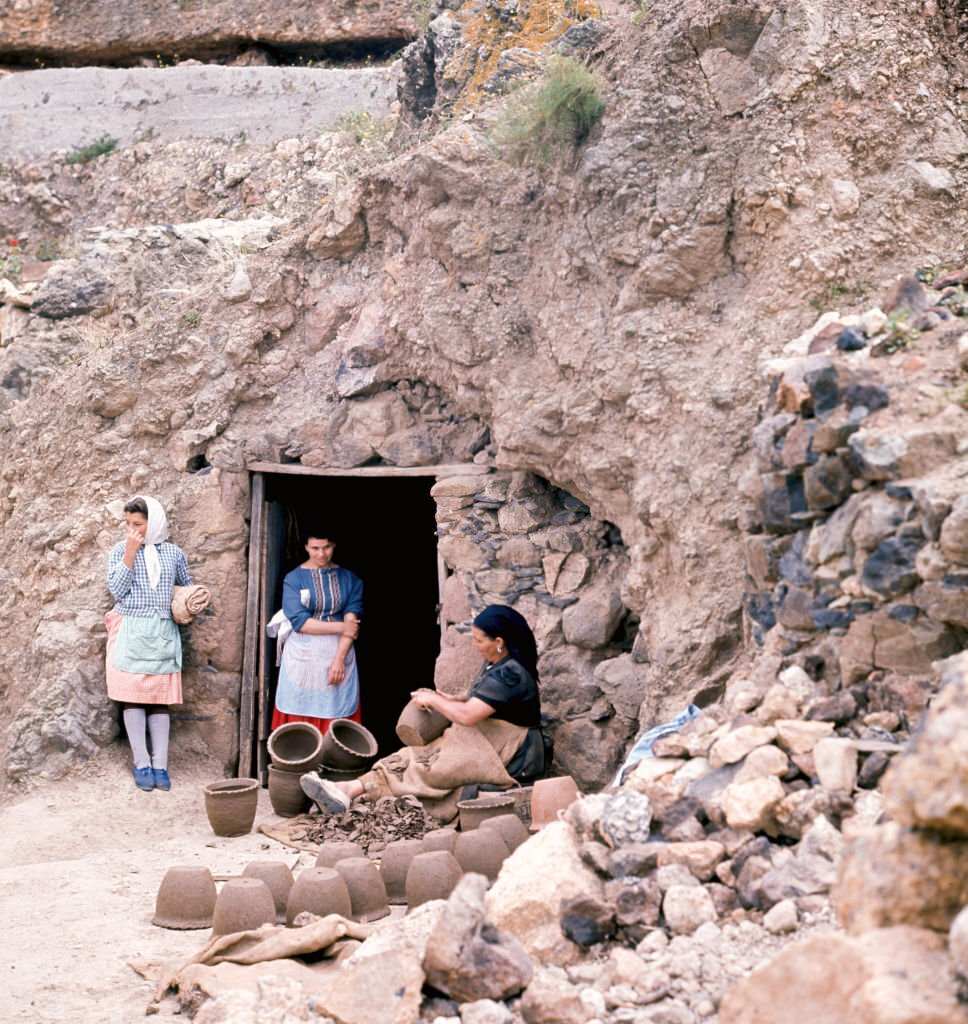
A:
x: 457, y: 469
x: 250, y: 648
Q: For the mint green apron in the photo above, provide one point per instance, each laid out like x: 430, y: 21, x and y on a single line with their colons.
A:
x: 150, y: 647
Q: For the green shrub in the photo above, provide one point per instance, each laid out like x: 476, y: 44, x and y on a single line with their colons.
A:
x: 549, y: 118
x: 99, y: 147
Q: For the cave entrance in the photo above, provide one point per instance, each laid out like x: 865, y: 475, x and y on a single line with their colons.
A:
x: 383, y: 520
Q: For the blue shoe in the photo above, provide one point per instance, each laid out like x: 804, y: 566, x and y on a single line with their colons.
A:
x: 161, y: 779
x: 144, y: 779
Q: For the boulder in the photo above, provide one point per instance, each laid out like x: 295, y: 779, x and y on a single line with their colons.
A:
x: 592, y: 621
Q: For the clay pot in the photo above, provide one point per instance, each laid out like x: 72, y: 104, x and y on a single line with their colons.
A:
x: 321, y: 891
x: 243, y: 903
x: 513, y: 830
x: 482, y: 851
x: 278, y: 877
x: 285, y: 793
x: 230, y: 805
x: 368, y: 894
x: 440, y: 839
x: 348, y: 745
x: 432, y: 876
x: 394, y: 865
x: 325, y: 771
x: 186, y: 899
x: 330, y: 853
x: 295, y: 747
x: 473, y: 812
x: 550, y: 796
x: 416, y: 726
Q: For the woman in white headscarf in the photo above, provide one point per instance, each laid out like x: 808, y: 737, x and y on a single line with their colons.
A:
x: 144, y: 653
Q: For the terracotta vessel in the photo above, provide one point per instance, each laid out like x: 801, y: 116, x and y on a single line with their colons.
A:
x: 368, y: 894
x: 490, y: 805
x: 550, y: 796
x: 416, y: 727
x: 295, y: 747
x: 482, y: 851
x: 321, y: 891
x: 278, y: 877
x: 242, y: 904
x: 186, y: 899
x: 285, y: 793
x: 432, y: 876
x: 440, y: 839
x: 330, y: 853
x: 341, y: 774
x: 230, y: 805
x: 394, y: 865
x: 348, y: 745
x: 513, y: 830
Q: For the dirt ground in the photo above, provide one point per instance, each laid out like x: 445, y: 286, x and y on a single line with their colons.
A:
x: 80, y: 864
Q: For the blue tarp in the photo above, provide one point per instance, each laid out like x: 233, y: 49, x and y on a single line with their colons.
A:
x: 643, y: 745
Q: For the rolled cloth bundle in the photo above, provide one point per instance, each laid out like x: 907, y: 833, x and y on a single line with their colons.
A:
x: 187, y: 602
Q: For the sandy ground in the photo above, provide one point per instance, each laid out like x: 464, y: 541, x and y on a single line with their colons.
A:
x: 80, y: 864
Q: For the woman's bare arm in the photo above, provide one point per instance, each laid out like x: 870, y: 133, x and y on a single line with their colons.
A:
x: 460, y: 710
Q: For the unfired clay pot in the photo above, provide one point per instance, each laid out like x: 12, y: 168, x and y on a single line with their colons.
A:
x: 513, y: 830
x: 230, y: 805
x: 186, y: 899
x: 550, y: 796
x: 242, y: 904
x: 416, y: 726
x: 321, y: 891
x: 285, y: 793
x: 490, y: 805
x: 325, y: 771
x: 432, y: 876
x: 295, y: 747
x: 394, y: 865
x: 278, y: 877
x: 368, y: 894
x: 348, y: 745
x: 482, y: 851
x: 330, y: 853
x: 440, y: 839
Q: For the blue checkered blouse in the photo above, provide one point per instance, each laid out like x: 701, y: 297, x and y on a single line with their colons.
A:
x: 130, y: 587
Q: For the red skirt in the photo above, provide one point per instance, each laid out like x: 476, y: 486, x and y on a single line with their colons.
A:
x: 322, y: 724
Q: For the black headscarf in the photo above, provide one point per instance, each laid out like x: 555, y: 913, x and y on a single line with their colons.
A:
x: 498, y: 620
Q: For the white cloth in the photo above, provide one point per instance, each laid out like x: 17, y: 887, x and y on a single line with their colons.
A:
x: 156, y: 533
x: 279, y: 627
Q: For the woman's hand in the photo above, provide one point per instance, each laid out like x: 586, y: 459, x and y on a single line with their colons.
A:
x: 132, y: 541
x: 424, y: 699
x: 337, y: 671
x: 351, y: 628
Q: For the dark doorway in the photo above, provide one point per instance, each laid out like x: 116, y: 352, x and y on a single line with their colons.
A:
x: 385, y: 532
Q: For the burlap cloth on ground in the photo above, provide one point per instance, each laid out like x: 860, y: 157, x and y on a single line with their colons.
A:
x: 187, y: 602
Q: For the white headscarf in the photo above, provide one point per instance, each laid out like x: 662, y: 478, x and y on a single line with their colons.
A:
x: 156, y: 533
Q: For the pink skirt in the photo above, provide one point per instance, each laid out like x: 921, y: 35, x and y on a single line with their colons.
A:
x: 137, y: 689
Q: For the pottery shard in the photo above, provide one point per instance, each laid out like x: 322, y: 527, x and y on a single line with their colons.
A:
x: 699, y: 857
x: 954, y: 532
x: 591, y: 622
x: 527, y: 895
x: 797, y: 737
x: 734, y: 746
x: 564, y: 574
x: 750, y: 804
x: 835, y: 761
x: 392, y: 984
x: 889, y: 976
x: 892, y: 875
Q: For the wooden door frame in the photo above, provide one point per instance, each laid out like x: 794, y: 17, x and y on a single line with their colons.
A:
x: 253, y: 649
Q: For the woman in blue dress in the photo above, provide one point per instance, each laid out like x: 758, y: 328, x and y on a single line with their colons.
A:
x: 323, y: 602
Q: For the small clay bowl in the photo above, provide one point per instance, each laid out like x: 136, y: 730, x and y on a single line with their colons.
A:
x: 417, y: 726
x: 321, y: 891
x: 330, y: 853
x: 348, y: 745
x: 482, y: 851
x: 394, y: 865
x: 278, y: 877
x: 186, y: 899
x: 326, y: 771
x: 550, y: 796
x: 295, y: 747
x: 474, y: 812
x: 440, y: 839
x: 432, y: 876
x: 368, y: 894
x: 230, y: 805
x: 285, y: 793
x: 513, y: 830
x: 243, y: 904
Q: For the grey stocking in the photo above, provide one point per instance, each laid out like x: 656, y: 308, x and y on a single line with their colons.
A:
x: 134, y: 726
x: 159, y: 723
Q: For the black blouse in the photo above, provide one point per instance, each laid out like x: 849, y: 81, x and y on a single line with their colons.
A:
x: 509, y: 689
